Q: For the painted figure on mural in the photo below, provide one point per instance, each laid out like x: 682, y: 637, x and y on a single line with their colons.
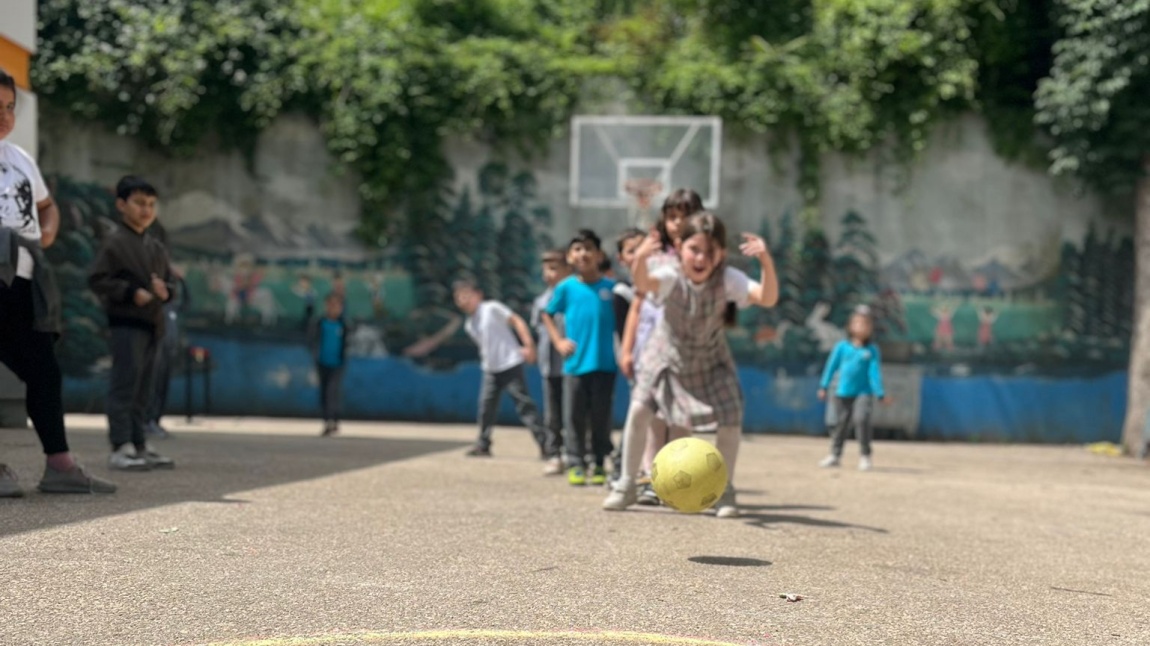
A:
x: 944, y: 329
x: 306, y: 291
x: 986, y: 318
x: 825, y: 332
x: 378, y: 296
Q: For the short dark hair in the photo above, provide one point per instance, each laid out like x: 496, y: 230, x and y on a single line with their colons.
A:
x: 586, y: 237
x: 6, y: 80
x: 628, y: 234
x: 553, y: 256
x: 605, y: 265
x: 131, y: 184
x: 682, y: 200
x: 465, y: 283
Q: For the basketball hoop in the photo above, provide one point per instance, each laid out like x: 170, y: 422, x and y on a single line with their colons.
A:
x: 643, y: 190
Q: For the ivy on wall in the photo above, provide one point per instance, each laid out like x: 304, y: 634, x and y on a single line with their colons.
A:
x: 390, y: 80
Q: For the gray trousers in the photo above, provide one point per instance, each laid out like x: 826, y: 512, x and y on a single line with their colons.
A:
x: 852, y: 413
x: 587, y: 401
x: 131, y: 387
x: 553, y: 416
x: 491, y: 391
x: 330, y: 391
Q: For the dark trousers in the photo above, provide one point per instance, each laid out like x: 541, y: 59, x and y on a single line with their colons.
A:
x: 852, y: 412
x: 330, y: 391
x: 553, y: 416
x: 30, y: 355
x: 587, y: 401
x: 491, y: 391
x: 131, y: 385
x: 166, y: 355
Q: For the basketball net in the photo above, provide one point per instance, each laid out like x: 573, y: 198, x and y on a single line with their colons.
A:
x: 643, y: 192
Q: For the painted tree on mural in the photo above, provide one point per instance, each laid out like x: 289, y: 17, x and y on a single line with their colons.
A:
x: 854, y: 268
x: 484, y: 251
x: 83, y: 208
x: 786, y: 255
x: 518, y: 252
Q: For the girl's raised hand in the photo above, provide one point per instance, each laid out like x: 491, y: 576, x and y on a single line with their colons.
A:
x: 649, y: 245
x: 753, y: 246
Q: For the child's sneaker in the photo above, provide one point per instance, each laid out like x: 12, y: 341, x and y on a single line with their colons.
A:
x: 829, y: 462
x: 599, y: 476
x: 647, y: 496
x: 576, y: 476
x: 553, y: 467
x: 329, y: 429
x: 125, y: 459
x: 865, y: 463
x: 74, y: 480
x: 155, y: 460
x: 727, y: 507
x: 9, y: 486
x: 622, y: 496
x: 478, y: 452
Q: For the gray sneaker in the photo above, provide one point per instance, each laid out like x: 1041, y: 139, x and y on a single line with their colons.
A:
x: 157, y: 461
x: 9, y: 486
x: 125, y: 459
x: 74, y: 480
x: 727, y: 507
x: 622, y: 496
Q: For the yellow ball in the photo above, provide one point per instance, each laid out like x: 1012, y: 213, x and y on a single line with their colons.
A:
x: 689, y: 475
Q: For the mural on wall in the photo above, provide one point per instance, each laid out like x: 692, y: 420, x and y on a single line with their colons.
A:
x: 1052, y: 306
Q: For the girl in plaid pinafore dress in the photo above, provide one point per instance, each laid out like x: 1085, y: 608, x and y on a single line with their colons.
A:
x: 688, y: 373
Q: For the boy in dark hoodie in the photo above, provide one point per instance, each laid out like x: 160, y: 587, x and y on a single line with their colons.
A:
x: 132, y: 277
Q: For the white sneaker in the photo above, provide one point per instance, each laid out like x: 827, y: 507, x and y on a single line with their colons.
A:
x: 623, y: 495
x: 829, y: 461
x: 9, y: 485
x: 727, y: 507
x: 125, y: 459
x: 865, y: 463
x: 554, y: 467
x: 157, y: 461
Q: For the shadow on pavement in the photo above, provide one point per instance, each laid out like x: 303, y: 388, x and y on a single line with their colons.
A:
x: 765, y: 521
x: 733, y: 561
x: 209, y: 468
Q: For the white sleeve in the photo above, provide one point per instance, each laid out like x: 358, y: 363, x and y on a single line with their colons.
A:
x: 664, y: 274
x: 39, y: 188
x: 499, y: 312
x: 738, y: 287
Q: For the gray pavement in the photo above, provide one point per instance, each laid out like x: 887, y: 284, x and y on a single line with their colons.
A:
x: 266, y: 533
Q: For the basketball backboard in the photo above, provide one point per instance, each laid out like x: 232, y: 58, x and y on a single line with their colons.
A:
x: 608, y: 153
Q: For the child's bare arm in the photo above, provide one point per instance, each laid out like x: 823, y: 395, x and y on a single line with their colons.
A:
x: 630, y: 331
x: 643, y: 281
x: 524, y: 334
x: 564, y: 346
x: 766, y: 293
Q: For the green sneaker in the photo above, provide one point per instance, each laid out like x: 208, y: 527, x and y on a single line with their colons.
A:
x: 599, y: 476
x: 576, y: 476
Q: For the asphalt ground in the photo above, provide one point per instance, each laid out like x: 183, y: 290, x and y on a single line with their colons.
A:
x: 267, y: 534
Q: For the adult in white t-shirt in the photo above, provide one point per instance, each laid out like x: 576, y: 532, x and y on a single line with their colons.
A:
x: 29, y: 221
x: 501, y: 357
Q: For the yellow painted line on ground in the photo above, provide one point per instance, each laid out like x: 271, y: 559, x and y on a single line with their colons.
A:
x: 609, y: 636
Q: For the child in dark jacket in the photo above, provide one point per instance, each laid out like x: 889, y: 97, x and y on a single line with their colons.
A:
x: 132, y: 277
x: 328, y: 336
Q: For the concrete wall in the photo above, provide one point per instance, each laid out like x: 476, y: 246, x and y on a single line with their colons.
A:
x: 979, y: 271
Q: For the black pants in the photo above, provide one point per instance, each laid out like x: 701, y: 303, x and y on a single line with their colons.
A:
x: 330, y: 392
x: 491, y: 391
x: 553, y: 416
x: 167, y: 353
x: 32, y: 357
x: 587, y: 401
x: 131, y: 387
x: 852, y: 412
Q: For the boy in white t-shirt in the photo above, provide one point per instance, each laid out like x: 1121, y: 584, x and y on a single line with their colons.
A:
x: 490, y: 323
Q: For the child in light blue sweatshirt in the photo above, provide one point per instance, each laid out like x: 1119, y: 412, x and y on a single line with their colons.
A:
x: 859, y: 367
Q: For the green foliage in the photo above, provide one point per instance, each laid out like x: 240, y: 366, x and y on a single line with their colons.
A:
x: 1094, y: 104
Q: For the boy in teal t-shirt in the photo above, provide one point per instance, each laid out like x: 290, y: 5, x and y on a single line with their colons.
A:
x: 586, y: 301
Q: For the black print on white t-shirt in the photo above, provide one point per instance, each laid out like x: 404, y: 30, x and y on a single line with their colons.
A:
x: 15, y: 198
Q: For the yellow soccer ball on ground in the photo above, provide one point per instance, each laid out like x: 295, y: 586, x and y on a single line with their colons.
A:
x: 689, y: 475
